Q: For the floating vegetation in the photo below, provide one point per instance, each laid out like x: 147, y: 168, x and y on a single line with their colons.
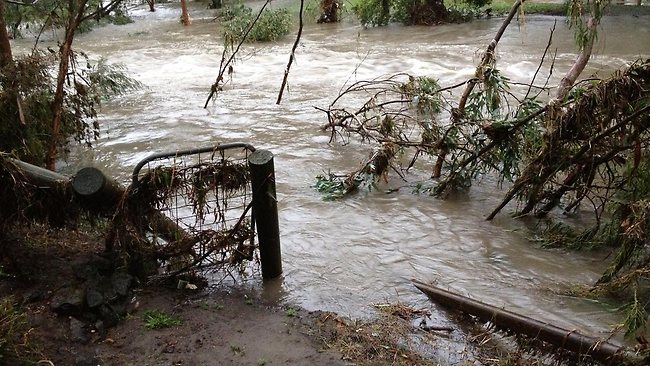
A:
x: 331, y: 186
x: 400, y: 115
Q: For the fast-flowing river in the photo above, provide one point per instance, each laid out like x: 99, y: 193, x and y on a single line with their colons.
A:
x: 345, y: 255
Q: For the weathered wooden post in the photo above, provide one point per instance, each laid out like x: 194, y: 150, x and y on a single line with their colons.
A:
x: 41, y: 176
x: 265, y: 211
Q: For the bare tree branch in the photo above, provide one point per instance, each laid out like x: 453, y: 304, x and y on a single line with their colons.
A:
x: 293, y: 53
x: 225, y: 64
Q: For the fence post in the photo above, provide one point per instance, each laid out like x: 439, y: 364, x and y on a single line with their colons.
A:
x: 265, y: 211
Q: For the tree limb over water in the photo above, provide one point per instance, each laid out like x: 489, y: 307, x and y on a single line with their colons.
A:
x: 227, y: 60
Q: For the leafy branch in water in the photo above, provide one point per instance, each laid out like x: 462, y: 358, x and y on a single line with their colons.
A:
x: 400, y: 114
x: 331, y: 186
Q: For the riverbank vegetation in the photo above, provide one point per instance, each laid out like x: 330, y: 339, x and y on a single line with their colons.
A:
x: 42, y: 110
x: 241, y: 24
x: 417, y: 12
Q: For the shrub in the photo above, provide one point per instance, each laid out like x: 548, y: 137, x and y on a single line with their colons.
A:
x: 271, y: 25
x: 373, y: 12
x: 414, y: 12
x: 29, y: 78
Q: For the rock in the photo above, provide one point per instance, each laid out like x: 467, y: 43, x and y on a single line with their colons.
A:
x: 85, y: 271
x: 33, y: 296
x: 78, y: 331
x: 94, y: 298
x: 68, y: 301
x: 100, y: 329
x: 108, y: 315
x: 121, y: 282
x: 104, y: 263
x: 119, y: 307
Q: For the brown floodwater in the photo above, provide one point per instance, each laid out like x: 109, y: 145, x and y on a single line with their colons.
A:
x: 346, y: 255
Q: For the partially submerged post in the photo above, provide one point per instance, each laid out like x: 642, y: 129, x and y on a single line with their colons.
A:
x: 265, y: 211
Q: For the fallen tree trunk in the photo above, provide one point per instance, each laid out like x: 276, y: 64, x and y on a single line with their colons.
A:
x: 96, y: 192
x: 41, y: 177
x: 571, y: 340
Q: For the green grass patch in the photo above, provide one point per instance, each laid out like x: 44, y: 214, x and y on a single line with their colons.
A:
x: 291, y: 312
x: 156, y: 319
x: 503, y: 7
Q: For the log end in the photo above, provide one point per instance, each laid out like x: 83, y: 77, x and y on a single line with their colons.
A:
x: 88, y: 182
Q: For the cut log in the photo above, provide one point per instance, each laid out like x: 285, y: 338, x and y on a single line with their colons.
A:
x: 571, y: 340
x: 98, y: 193
x: 96, y: 190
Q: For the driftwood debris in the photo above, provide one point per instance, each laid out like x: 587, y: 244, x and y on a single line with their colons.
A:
x: 571, y: 340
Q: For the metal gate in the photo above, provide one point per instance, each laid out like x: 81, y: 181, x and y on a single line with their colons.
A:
x: 207, y: 194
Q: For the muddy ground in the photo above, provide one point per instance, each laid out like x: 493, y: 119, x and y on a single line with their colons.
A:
x: 39, y: 266
x: 217, y: 327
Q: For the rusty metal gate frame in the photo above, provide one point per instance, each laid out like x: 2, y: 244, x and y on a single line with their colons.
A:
x: 178, y: 204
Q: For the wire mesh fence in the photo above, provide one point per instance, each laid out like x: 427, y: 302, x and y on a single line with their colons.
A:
x: 206, y: 195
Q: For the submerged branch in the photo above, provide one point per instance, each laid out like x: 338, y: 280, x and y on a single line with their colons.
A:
x: 599, y: 139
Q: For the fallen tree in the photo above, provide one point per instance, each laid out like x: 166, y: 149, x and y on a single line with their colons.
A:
x: 598, y: 349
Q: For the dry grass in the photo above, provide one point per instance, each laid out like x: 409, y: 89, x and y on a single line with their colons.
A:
x: 398, y: 337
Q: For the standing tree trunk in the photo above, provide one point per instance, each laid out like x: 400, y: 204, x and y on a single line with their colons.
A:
x: 385, y: 9
x: 330, y: 11
x: 6, y: 58
x: 151, y: 4
x: 185, y: 17
x: 65, y: 52
x: 5, y: 47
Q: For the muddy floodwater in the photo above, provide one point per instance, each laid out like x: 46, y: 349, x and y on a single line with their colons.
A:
x: 344, y: 256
